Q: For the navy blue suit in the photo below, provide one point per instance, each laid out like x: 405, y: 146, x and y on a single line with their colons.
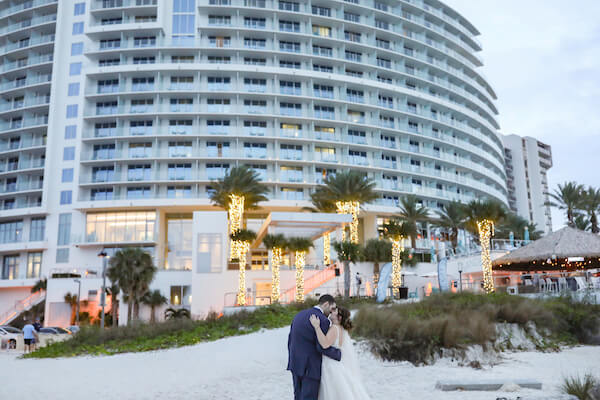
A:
x: 305, y: 354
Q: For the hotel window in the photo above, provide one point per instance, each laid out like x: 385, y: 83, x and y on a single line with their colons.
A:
x: 291, y: 174
x: 322, y: 51
x: 180, y: 149
x: 289, y: 6
x: 103, y: 174
x: 38, y: 229
x: 10, y: 232
x: 219, y: 41
x: 75, y: 69
x: 66, y: 197
x: 357, y: 157
x: 255, y: 128
x: 385, y: 101
x: 255, y: 106
x: 64, y: 229
x: 289, y: 26
x: 180, y: 127
x: 412, y: 107
x: 139, y: 172
x: 101, y: 194
x: 356, y: 74
x: 356, y: 96
x: 77, y: 28
x: 72, y: 110
x: 218, y: 105
x: 70, y: 131
x: 293, y: 47
x: 181, y: 295
x: 255, y: 3
x: 217, y: 149
x: 388, y: 141
x: 289, y: 64
x: 322, y: 68
x: 218, y: 126
x: 179, y: 242
x: 181, y: 105
x: 255, y: 150
x: 108, y: 86
x: 386, y: 121
x: 289, y: 87
x: 143, y: 192
x: 140, y: 150
x: 353, y: 56
x: 182, y: 59
x: 290, y: 151
x: 140, y: 128
x: 356, y: 116
x: 413, y: 126
x: 106, y: 108
x: 324, y: 133
x: 73, y: 89
x: 108, y: 44
x: 324, y: 91
x: 319, y: 30
x: 111, y: 21
x: 68, y: 154
x: 219, y: 20
x: 144, y: 60
x: 34, y: 265
x: 145, y: 18
x: 183, y: 21
x: 253, y: 61
x: 252, y: 43
x: 290, y: 109
x: 144, y: 41
x: 382, y: 43
x: 291, y: 193
x: 324, y: 112
x: 219, y: 60
x: 348, y: 16
x: 180, y: 171
x: 141, y: 84
x: 321, y: 174
x: 384, y: 63
x: 141, y: 106
x: 322, y: 11
x: 216, y: 171
x: 359, y: 137
x: 79, y: 9
x: 219, y: 83
x: 388, y: 161
x: 254, y: 23
x: 10, y: 267
x: 179, y: 192
x: 382, y: 24
x: 290, y: 130
x: 325, y: 154
x: 255, y: 85
x: 352, y: 36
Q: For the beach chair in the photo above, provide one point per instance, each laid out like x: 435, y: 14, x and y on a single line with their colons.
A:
x: 542, y: 285
x: 596, y: 282
x: 581, y: 283
x: 562, y: 284
x: 550, y: 285
x: 413, y: 295
x: 527, y: 282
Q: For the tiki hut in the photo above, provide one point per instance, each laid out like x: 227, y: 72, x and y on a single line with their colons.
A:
x: 567, y: 249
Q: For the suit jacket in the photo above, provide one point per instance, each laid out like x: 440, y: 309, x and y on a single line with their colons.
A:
x: 304, y: 351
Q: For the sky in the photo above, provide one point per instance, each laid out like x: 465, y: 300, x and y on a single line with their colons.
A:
x: 542, y: 57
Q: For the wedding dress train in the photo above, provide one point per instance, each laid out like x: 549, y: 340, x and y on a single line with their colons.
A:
x: 340, y: 380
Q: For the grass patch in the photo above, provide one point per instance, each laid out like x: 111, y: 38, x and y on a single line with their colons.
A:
x: 584, y: 388
x: 176, y: 333
x: 417, y: 331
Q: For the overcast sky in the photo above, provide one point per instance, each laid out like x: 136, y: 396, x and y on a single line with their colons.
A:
x: 542, y: 57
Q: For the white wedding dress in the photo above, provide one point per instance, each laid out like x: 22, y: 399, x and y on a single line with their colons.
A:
x: 340, y: 380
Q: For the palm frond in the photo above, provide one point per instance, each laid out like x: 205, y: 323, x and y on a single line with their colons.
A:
x: 243, y: 181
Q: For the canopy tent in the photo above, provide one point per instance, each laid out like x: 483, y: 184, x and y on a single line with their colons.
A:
x: 565, y: 249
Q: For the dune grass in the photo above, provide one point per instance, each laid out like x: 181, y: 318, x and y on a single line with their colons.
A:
x: 415, y: 332
x: 585, y: 387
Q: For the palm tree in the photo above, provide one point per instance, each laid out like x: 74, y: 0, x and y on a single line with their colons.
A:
x: 300, y: 246
x: 133, y: 270
x: 153, y: 298
x: 40, y: 285
x: 377, y: 251
x: 512, y: 223
x: 581, y: 222
x: 534, y: 232
x: 480, y: 219
x: 412, y: 213
x: 276, y: 244
x: 71, y: 300
x: 238, y: 191
x: 397, y: 231
x: 345, y: 192
x: 348, y: 252
x: 451, y: 218
x: 590, y: 203
x: 113, y: 291
x: 567, y: 197
x: 241, y: 241
x: 177, y: 313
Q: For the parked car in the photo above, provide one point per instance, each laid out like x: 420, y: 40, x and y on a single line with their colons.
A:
x: 10, y: 337
x: 73, y: 329
x: 55, y: 330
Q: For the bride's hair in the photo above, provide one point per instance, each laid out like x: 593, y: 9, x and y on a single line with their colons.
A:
x: 344, y: 315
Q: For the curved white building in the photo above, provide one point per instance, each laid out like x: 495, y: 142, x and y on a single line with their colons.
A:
x: 116, y: 116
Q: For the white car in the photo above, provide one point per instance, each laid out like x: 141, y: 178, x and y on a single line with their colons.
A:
x: 10, y: 337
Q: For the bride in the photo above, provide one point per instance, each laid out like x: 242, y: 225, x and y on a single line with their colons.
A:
x: 339, y: 380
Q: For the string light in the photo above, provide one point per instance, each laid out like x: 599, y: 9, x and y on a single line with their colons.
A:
x: 276, y: 260
x: 300, y: 262
x: 397, y: 249
x: 326, y: 249
x: 353, y: 208
x: 236, y: 215
x: 242, y: 248
x: 486, y: 231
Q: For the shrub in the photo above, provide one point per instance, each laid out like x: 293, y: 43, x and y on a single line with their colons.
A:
x: 584, y: 388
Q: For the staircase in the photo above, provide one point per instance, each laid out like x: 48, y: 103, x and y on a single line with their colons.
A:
x: 23, y: 305
x: 313, y: 282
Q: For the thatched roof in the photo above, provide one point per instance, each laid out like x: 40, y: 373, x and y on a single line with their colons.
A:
x: 557, y: 247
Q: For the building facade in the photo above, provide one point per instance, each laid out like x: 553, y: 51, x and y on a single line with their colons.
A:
x: 118, y: 114
x: 527, y: 163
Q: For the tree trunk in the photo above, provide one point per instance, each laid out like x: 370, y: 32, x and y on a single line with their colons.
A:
x: 73, y: 314
x: 375, y: 275
x: 129, y: 310
x: 594, y: 223
x: 114, y: 306
x: 346, y: 278
x: 152, y: 315
x: 136, y: 310
x: 413, y: 242
x: 454, y: 239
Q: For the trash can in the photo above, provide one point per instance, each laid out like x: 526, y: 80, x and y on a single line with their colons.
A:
x: 403, y: 292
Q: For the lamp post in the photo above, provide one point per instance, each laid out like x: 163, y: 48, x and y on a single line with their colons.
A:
x: 104, y: 257
x: 460, y: 279
x: 78, y: 300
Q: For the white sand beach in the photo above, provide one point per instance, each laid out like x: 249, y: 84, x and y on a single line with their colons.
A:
x: 253, y: 367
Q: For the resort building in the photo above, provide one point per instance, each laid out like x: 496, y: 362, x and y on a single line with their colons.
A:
x: 527, y: 163
x: 118, y: 115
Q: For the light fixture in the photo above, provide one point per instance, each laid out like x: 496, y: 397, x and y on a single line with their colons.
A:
x: 353, y: 208
x: 486, y: 231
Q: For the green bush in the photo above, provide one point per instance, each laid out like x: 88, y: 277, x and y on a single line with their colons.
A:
x: 584, y: 388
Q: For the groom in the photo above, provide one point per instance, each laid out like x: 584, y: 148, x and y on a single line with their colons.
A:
x: 304, y: 351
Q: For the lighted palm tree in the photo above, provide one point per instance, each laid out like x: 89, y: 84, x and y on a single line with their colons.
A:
x: 276, y: 244
x: 411, y: 212
x: 133, y: 270
x: 345, y: 192
x: 154, y: 298
x: 567, y: 197
x: 300, y: 246
x: 451, y: 218
x: 238, y: 191
x: 243, y: 238
x: 40, y: 285
x: 396, y: 231
x: 480, y: 219
x: 590, y: 203
x: 377, y: 251
x: 348, y: 252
